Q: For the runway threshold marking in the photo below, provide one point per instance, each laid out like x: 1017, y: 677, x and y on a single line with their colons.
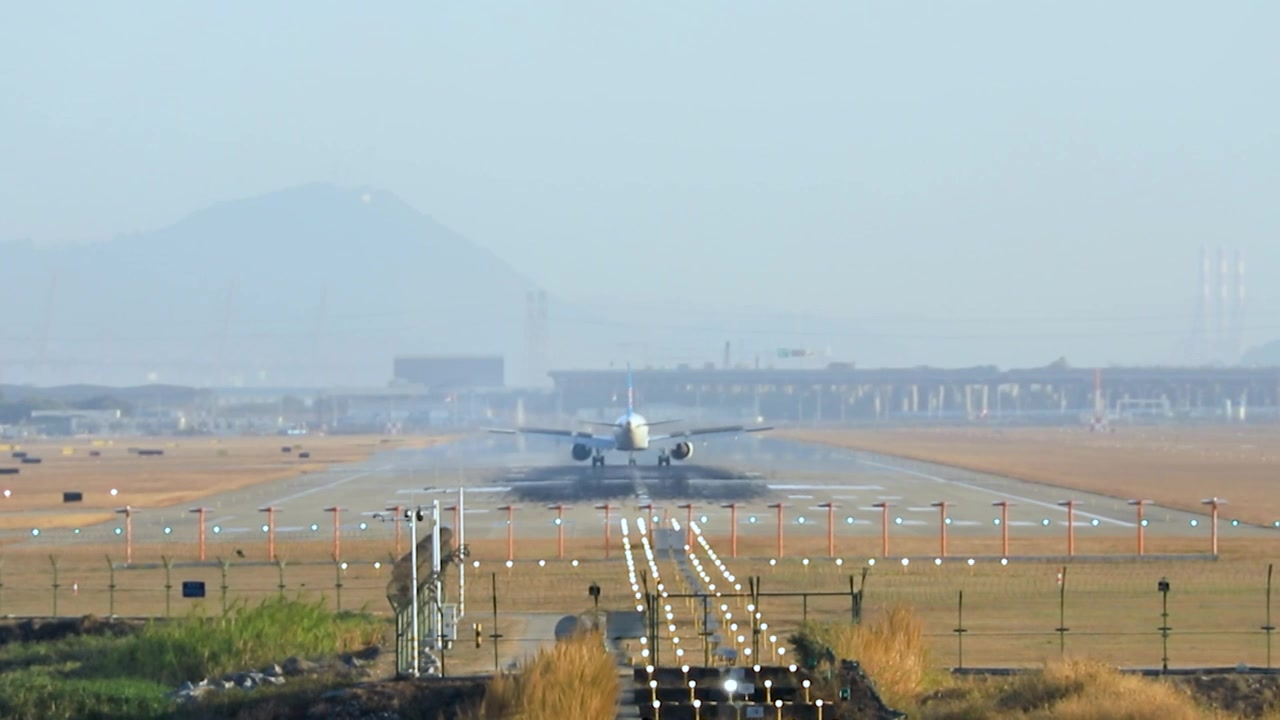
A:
x: 997, y: 493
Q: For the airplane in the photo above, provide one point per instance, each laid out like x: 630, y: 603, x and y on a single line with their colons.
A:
x: 630, y: 434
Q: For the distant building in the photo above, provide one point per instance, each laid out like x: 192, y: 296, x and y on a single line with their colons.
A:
x: 450, y: 372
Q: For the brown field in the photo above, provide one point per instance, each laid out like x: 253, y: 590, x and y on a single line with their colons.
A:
x: 190, y: 468
x: 1176, y: 467
x: 1112, y: 608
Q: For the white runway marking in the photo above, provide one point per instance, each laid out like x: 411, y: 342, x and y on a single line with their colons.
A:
x: 326, y: 486
x: 799, y: 497
x: 824, y: 487
x: 978, y: 488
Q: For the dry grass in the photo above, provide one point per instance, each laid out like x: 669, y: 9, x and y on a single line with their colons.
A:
x: 1175, y: 466
x: 1065, y: 690
x: 190, y: 468
x: 892, y: 649
x: 575, y: 678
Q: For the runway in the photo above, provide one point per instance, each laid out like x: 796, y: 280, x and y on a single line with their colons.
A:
x: 754, y: 472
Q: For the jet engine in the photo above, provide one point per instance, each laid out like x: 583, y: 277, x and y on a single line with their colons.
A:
x: 682, y: 451
x: 581, y: 452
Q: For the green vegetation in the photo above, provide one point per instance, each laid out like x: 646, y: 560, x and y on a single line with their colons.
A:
x: 132, y: 676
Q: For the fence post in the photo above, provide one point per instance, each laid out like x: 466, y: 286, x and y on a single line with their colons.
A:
x: 168, y: 584
x: 960, y: 631
x: 1269, y: 628
x: 280, y: 569
x: 337, y: 584
x: 53, y: 560
x: 1062, y: 611
x: 111, y: 588
x: 225, y: 565
x: 1163, y: 587
x: 1, y: 582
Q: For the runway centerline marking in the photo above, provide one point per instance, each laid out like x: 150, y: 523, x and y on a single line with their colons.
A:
x: 989, y: 491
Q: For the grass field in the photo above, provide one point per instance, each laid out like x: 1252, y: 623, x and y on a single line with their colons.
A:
x: 1174, y: 466
x: 189, y: 469
x: 1010, y: 612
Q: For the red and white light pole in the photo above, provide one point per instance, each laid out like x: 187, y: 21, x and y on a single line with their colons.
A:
x: 942, y: 526
x: 1004, y: 526
x: 1142, y: 527
x: 1070, y: 505
x: 200, y: 512
x: 397, y: 518
x: 733, y: 529
x: 1213, y: 504
x: 128, y: 512
x: 511, y: 526
x: 606, y: 508
x: 337, y: 531
x: 779, y: 507
x: 831, y: 527
x: 559, y: 508
x: 271, y: 530
x: 884, y: 527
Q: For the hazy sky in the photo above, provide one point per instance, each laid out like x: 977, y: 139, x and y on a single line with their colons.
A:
x: 996, y: 182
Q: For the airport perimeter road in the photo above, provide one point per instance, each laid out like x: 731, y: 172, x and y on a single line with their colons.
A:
x: 752, y: 471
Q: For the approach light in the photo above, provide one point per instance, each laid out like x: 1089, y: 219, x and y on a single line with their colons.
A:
x: 1045, y: 522
x: 897, y: 521
x: 751, y: 519
x: 265, y: 528
x: 217, y: 529
x: 1004, y: 561
x: 1194, y: 522
x: 937, y: 561
x: 168, y: 530
x: 970, y: 561
x: 1235, y: 523
x: 1145, y: 522
x: 703, y: 519
x: 118, y: 531
x: 871, y: 561
x: 314, y: 527
x: 364, y: 526
x: 995, y: 521
x: 848, y: 520
x: 377, y: 565
x: 906, y: 562
x: 800, y: 519
x: 343, y: 565
x: 509, y: 564
x: 35, y: 532
x: 1094, y: 522
x: 114, y: 492
x: 947, y: 521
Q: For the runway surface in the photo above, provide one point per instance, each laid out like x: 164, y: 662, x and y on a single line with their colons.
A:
x: 750, y: 470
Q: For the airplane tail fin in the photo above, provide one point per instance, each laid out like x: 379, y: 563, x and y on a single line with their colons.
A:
x: 631, y: 395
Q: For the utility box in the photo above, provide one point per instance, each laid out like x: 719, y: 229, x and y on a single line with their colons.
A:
x: 449, y: 622
x: 192, y: 588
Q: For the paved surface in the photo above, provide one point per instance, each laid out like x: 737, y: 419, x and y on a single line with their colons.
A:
x: 754, y: 471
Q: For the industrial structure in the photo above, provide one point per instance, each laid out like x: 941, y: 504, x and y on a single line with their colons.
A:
x: 843, y: 393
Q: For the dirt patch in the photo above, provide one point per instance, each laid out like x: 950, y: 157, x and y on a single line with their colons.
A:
x: 42, y: 630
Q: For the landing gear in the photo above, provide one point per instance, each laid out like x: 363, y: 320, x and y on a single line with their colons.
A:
x: 597, y: 460
x: 631, y: 461
x: 664, y: 459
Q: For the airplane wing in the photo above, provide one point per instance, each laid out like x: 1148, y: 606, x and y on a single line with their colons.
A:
x: 723, y: 429
x: 605, y: 442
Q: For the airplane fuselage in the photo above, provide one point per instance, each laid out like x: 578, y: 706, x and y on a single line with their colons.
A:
x: 631, y: 433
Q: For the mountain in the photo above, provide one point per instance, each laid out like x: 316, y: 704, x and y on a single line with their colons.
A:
x: 309, y: 285
x: 1264, y: 355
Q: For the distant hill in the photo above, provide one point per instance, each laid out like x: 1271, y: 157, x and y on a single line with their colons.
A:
x: 323, y: 286
x: 1265, y: 355
x: 312, y: 284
